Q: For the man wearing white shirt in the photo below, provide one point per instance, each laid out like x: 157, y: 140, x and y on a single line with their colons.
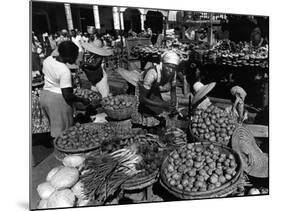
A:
x: 77, y: 39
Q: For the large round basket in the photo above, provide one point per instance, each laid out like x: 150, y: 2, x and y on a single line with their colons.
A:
x: 92, y: 126
x: 222, y: 191
x: 137, y: 183
x: 123, y: 113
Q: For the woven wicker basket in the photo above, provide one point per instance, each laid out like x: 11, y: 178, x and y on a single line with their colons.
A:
x: 92, y: 126
x: 137, y: 183
x: 222, y: 191
x: 124, y: 113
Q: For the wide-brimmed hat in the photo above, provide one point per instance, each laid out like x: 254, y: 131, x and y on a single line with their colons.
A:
x: 97, y: 47
x: 254, y: 161
x: 201, y: 91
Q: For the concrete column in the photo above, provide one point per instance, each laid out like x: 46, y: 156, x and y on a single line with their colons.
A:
x: 116, y: 21
x: 142, y: 17
x: 96, y: 16
x: 142, y: 21
x: 68, y: 16
x: 121, y: 20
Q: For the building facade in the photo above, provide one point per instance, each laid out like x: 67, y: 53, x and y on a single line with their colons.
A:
x: 52, y: 17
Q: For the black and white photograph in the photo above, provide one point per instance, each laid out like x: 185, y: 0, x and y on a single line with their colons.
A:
x: 135, y: 105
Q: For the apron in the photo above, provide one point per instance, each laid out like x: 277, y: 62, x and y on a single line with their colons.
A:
x: 99, y: 81
x: 102, y: 86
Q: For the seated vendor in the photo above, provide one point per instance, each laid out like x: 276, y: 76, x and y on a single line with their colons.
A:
x: 256, y: 39
x: 161, y: 78
x: 200, y: 100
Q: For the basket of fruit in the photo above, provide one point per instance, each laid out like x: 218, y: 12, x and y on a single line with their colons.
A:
x: 201, y: 170
x: 212, y: 124
x: 82, y: 138
x: 119, y: 107
x: 94, y: 97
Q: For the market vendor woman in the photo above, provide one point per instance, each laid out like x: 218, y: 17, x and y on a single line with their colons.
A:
x: 94, y: 68
x: 159, y: 79
x: 57, y: 96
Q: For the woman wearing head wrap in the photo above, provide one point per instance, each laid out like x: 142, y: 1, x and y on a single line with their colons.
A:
x: 159, y: 79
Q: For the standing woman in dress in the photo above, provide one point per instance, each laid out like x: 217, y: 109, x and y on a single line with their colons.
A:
x: 57, y: 95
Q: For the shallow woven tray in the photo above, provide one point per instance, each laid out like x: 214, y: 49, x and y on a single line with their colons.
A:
x: 92, y: 126
x: 222, y: 191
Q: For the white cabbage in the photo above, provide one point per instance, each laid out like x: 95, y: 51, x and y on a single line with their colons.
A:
x: 61, y: 198
x: 52, y: 173
x: 66, y: 177
x: 73, y: 161
x: 45, y: 190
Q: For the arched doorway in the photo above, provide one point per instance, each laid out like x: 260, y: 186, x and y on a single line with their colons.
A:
x: 154, y: 20
x: 132, y: 20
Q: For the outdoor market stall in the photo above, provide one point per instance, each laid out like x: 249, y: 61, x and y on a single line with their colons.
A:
x: 117, y: 162
x: 118, y: 155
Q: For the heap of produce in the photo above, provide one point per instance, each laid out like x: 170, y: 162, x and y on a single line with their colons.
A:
x: 102, y: 176
x: 116, y: 102
x: 93, y: 96
x: 147, y: 147
x: 116, y: 144
x: 156, y: 52
x: 119, y: 107
x: 198, y: 169
x: 212, y: 124
x: 81, y: 137
x: 174, y: 137
x: 38, y: 80
x: 61, y: 188
x: 141, y: 137
x: 36, y: 92
x: 152, y: 159
x: 237, y: 55
x: 40, y: 122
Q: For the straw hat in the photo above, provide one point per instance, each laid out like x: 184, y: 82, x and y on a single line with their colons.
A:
x: 201, y: 90
x: 255, y: 162
x: 97, y: 47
